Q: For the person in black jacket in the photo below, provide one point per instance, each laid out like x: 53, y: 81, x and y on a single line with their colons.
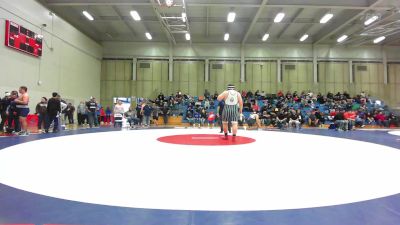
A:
x: 53, y: 111
x: 12, y: 114
x: 41, y: 111
x: 4, y: 103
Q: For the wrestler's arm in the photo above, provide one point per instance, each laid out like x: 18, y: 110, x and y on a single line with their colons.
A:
x: 222, y: 96
x: 240, y: 103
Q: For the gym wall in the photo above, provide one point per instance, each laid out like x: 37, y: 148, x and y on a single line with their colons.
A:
x: 70, y: 64
x: 261, y: 69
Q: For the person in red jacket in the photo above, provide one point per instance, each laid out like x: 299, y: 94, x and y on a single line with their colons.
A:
x: 381, y: 119
x: 350, y: 116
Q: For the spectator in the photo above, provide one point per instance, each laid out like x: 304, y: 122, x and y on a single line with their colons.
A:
x: 41, y: 112
x: 4, y: 103
x: 91, y: 107
x: 281, y: 120
x: 294, y: 119
x: 131, y: 116
x: 146, y: 112
x: 165, y: 112
x: 108, y: 115
x: 350, y: 116
x: 340, y: 122
x: 118, y: 114
x: 53, y: 112
x: 313, y: 120
x: 211, y: 119
x: 155, y: 112
x: 82, y: 113
x: 69, y: 112
x: 102, y: 116
x: 381, y: 119
x: 12, y: 114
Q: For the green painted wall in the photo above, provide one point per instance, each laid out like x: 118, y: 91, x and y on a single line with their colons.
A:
x: 189, y: 77
x: 219, y: 78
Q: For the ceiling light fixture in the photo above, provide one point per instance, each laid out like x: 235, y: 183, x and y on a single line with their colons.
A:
x: 231, y: 17
x: 265, y: 37
x: 342, y: 38
x: 326, y: 18
x: 379, y: 39
x: 148, y: 35
x: 184, y: 17
x: 88, y: 16
x: 370, y: 20
x: 226, y: 37
x: 279, y: 17
x: 304, y: 37
x: 135, y: 15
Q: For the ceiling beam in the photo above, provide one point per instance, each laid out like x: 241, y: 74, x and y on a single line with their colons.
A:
x: 389, y: 42
x: 369, y: 28
x: 164, y: 26
x: 207, y: 23
x: 125, y: 22
x: 193, y: 4
x: 296, y: 15
x: 347, y: 21
x: 370, y: 39
x: 202, y: 20
x: 187, y: 21
x: 254, y: 21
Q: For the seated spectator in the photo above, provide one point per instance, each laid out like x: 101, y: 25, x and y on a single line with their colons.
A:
x: 340, y: 122
x: 281, y: 120
x: 313, y: 120
x: 211, y: 119
x: 203, y: 116
x: 189, y: 117
x: 360, y: 118
x: 370, y: 120
x: 294, y: 119
x: 254, y: 119
x: 206, y: 104
x: 320, y: 116
x: 393, y: 120
x: 197, y: 118
x: 265, y: 118
x: 132, y: 119
x: 381, y: 119
x: 350, y: 116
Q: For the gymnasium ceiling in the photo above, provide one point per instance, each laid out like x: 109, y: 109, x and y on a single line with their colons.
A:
x: 207, y: 20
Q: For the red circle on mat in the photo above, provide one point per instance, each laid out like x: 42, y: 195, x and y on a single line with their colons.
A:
x: 205, y: 139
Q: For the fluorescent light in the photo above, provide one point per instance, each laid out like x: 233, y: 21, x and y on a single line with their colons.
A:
x: 184, y: 17
x: 148, y: 35
x: 279, y: 17
x: 226, y: 37
x: 379, y: 39
x: 342, y: 38
x: 370, y: 20
x: 326, y: 18
x: 304, y: 37
x: 231, y: 17
x: 265, y: 37
x: 187, y: 36
x: 135, y: 15
x: 88, y: 16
